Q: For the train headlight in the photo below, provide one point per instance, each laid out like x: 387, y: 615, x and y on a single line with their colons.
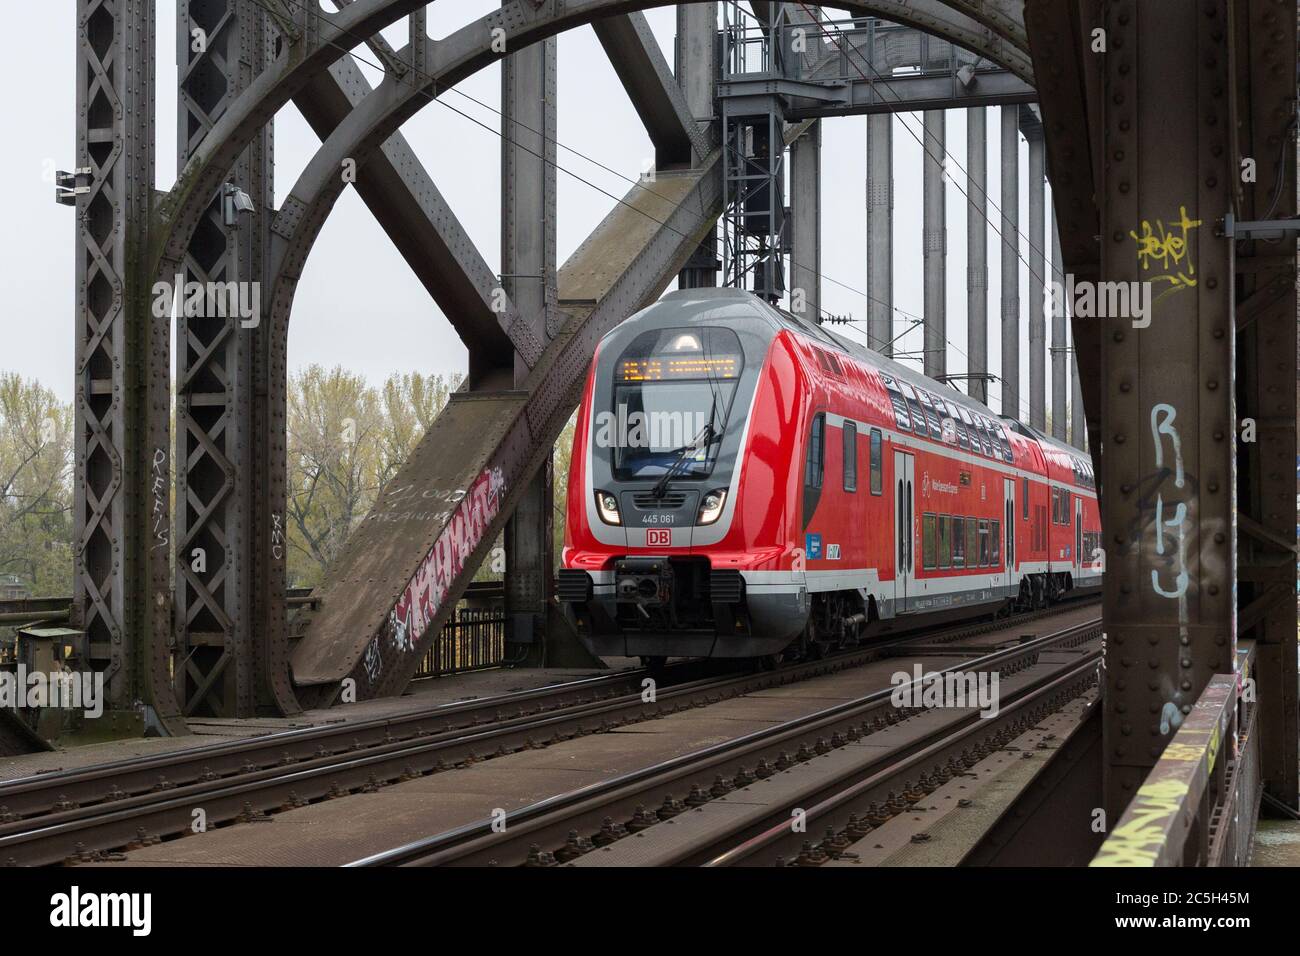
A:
x: 607, y: 506
x: 711, y: 506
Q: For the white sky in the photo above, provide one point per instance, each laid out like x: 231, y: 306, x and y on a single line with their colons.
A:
x: 358, y: 304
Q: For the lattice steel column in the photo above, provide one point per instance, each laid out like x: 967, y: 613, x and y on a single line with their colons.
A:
x: 934, y: 242
x: 528, y: 211
x: 880, y: 232
x: 221, y: 47
x: 1010, y: 203
x: 977, y: 254
x: 121, y: 518
x: 1061, y: 354
x: 1168, y: 412
x: 1037, y: 276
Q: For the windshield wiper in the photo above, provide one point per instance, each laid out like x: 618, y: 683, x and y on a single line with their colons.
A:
x: 706, y: 436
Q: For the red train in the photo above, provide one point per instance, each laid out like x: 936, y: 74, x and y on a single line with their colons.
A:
x: 745, y: 483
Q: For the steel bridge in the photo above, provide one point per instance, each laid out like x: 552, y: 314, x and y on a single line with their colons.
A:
x: 1167, y: 131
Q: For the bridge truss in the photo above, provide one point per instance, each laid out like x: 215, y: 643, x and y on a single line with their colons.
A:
x: 1150, y: 113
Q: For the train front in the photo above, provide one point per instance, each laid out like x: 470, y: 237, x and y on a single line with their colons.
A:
x: 672, y: 548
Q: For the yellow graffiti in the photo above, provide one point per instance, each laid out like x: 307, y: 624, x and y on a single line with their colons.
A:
x: 1177, y: 751
x: 1139, y: 838
x: 1170, y: 249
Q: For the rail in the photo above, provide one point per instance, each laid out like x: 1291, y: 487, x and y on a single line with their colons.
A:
x: 1199, y: 804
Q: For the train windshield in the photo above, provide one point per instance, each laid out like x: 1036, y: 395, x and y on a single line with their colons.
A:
x: 673, y: 390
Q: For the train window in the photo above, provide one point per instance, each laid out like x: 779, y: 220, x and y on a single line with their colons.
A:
x: 816, y: 462
x: 1025, y: 496
x: 676, y: 385
x: 962, y: 439
x: 984, y: 543
x: 995, y: 541
x: 927, y: 541
x: 918, y: 416
x: 959, y: 542
x: 877, y: 461
x: 901, y: 418
x: 986, y: 436
x: 931, y: 414
x: 972, y: 543
x: 1066, y: 504
x: 850, y: 456
x: 945, y: 541
x: 1007, y: 455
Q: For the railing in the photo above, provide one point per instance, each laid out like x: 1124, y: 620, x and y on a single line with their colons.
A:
x: 474, y: 638
x: 1199, y: 804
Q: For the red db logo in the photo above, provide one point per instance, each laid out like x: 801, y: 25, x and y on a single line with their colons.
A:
x: 658, y: 537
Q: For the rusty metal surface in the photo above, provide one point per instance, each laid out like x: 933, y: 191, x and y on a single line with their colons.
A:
x: 1168, y: 821
x: 1168, y: 420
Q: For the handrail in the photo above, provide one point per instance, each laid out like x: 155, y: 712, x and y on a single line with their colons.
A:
x: 1168, y: 822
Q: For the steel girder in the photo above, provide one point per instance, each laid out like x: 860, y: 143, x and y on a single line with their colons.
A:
x: 315, y: 41
x: 403, y: 198
x: 121, y: 523
x: 404, y: 568
x: 318, y: 39
x: 220, y: 664
x: 1168, y: 417
x: 648, y: 79
x: 1264, y: 40
x: 1067, y: 76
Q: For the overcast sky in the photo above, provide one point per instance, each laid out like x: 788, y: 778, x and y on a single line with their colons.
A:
x: 358, y: 304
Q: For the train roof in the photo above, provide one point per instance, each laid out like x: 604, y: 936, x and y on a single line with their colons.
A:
x: 700, y: 303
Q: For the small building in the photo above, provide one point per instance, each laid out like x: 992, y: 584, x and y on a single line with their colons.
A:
x: 12, y: 588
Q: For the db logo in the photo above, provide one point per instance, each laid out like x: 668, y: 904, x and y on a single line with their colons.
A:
x: 658, y: 537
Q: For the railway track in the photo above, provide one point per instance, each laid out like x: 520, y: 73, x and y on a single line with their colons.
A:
x: 732, y: 802
x: 81, y: 815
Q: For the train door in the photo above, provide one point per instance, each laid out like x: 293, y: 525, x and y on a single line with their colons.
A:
x: 1009, y: 529
x: 904, y: 530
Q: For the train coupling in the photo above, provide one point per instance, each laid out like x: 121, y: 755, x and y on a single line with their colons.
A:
x: 643, y: 582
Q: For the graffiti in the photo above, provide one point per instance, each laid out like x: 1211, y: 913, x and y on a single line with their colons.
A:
x: 1162, y: 428
x: 277, y: 535
x: 1140, y: 836
x: 427, y: 590
x: 161, y: 529
x: 372, y: 661
x: 1170, y: 250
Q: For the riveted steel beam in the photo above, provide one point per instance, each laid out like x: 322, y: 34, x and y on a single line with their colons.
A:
x: 661, y: 103
x: 400, y: 193
x: 934, y: 246
x: 121, y: 514
x: 325, y: 37
x: 404, y: 568
x: 528, y: 260
x: 222, y: 665
x: 1168, y: 416
x: 1264, y: 45
x: 1067, y: 76
x: 880, y: 233
x: 977, y: 253
x: 321, y: 40
x: 1009, y: 257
